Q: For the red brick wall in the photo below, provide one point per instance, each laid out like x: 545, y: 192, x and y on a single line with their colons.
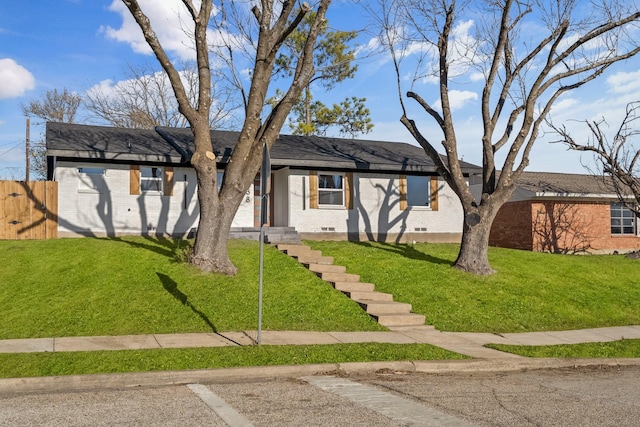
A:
x: 558, y: 227
x: 601, y: 229
x: 512, y: 226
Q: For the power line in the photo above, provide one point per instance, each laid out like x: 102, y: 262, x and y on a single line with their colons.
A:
x: 19, y: 144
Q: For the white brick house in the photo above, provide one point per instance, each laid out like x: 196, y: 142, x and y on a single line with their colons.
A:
x: 123, y: 181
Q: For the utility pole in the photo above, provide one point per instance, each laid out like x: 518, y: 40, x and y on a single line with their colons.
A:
x: 28, y: 153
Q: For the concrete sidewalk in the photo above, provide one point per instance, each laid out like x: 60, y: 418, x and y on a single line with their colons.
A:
x: 467, y: 343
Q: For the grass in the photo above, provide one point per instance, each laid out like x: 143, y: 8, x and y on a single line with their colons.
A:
x: 84, y: 287
x: 615, y: 349
x: 530, y: 291
x: 51, y: 364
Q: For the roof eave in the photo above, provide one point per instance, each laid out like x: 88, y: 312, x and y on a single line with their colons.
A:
x: 102, y: 155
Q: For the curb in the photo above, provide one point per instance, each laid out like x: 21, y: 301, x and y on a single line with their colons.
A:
x: 78, y: 383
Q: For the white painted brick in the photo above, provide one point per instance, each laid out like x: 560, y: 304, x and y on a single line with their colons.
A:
x: 114, y: 210
x: 111, y: 209
x: 376, y: 210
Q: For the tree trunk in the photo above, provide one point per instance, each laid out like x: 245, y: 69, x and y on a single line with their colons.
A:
x: 210, y: 252
x: 474, y: 249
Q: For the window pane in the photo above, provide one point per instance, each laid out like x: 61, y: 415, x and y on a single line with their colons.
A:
x: 330, y: 197
x: 150, y: 172
x: 623, y: 220
x: 418, y: 190
x: 91, y: 171
x: 150, y: 178
x: 150, y: 185
x: 330, y: 181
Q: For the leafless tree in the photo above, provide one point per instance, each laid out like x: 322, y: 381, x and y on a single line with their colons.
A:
x: 145, y: 99
x: 53, y: 106
x: 262, y: 31
x: 618, y: 158
x: 530, y: 53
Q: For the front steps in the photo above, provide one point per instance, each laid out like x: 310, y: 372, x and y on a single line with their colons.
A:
x: 273, y: 235
x: 378, y: 305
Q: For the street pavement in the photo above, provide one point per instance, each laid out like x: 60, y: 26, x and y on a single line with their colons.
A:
x: 470, y: 344
x: 371, y: 393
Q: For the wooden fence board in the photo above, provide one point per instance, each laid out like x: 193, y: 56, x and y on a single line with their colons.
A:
x: 28, y: 210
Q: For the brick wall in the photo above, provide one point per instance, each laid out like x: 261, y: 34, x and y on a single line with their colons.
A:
x: 512, y: 226
x: 376, y: 214
x: 110, y: 209
x: 563, y: 227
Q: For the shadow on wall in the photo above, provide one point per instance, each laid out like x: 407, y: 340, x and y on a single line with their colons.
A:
x: 390, y: 198
x: 561, y: 228
x: 152, y: 222
x: 42, y: 204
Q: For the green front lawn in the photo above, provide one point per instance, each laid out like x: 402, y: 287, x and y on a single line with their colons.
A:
x: 135, y: 285
x: 530, y: 291
x: 75, y: 287
x: 83, y: 287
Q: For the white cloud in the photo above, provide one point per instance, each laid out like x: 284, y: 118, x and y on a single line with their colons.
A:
x: 476, y: 76
x: 170, y: 21
x: 458, y: 99
x: 624, y: 82
x: 16, y: 79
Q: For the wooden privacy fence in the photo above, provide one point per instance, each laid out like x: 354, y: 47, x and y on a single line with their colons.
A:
x: 28, y: 210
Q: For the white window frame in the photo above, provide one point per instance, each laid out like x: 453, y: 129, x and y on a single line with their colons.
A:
x: 625, y: 215
x: 322, y: 180
x: 86, y: 179
x: 416, y: 196
x: 154, y: 184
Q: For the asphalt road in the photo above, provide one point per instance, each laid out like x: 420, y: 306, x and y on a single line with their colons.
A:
x: 559, y: 397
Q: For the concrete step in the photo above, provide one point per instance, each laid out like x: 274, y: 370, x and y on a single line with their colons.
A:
x: 365, y: 296
x: 354, y: 286
x: 408, y: 319
x: 314, y: 259
x: 325, y: 268
x: 379, y: 307
x: 276, y: 239
x: 281, y: 230
x: 290, y: 249
x: 339, y: 277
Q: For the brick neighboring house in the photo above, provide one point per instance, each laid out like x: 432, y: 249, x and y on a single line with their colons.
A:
x: 565, y: 213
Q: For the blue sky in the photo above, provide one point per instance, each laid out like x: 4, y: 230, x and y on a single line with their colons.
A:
x: 76, y: 44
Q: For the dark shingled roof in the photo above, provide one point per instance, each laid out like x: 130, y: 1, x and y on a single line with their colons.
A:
x: 175, y: 145
x: 562, y: 184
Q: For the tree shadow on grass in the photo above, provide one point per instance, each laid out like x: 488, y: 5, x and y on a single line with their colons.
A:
x: 406, y: 250
x: 172, y: 287
x: 175, y: 248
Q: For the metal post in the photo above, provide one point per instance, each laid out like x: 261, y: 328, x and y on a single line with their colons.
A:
x: 28, y: 150
x: 260, y: 285
x: 265, y: 186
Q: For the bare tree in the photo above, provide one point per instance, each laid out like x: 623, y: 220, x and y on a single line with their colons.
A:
x: 145, y: 99
x: 530, y: 53
x: 265, y: 29
x: 53, y: 106
x: 618, y: 158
